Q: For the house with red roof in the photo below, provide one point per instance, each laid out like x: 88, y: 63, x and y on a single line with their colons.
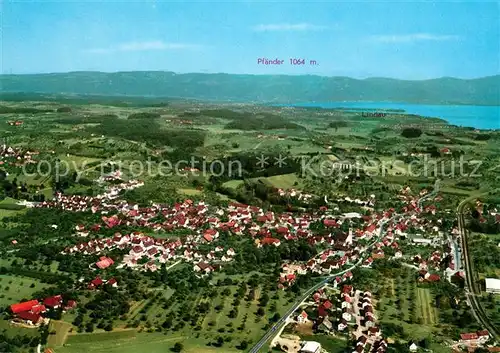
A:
x: 203, y: 267
x: 96, y: 282
x: 269, y: 241
x: 347, y: 302
x: 348, y: 275
x: 152, y: 252
x: 104, y: 262
x: 368, y: 262
x: 24, y: 306
x: 210, y: 234
x: 28, y: 312
x: 111, y: 221
x: 347, y: 289
x: 53, y: 302
x: 38, y: 309
x: 432, y: 277
x: 327, y: 304
x: 474, y: 338
x: 287, y: 277
x: 282, y: 230
x: 302, y: 317
x: 208, y: 237
x: 322, y: 311
x: 370, y: 230
x: 30, y: 318
x: 71, y: 304
x: 378, y: 254
x: 330, y: 223
x: 374, y: 331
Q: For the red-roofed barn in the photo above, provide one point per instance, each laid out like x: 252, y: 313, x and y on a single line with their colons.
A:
x: 24, y: 306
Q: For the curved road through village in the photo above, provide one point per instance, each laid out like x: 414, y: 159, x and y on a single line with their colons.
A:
x: 277, y: 326
x: 472, y: 290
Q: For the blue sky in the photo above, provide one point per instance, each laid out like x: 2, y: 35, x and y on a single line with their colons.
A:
x: 410, y: 40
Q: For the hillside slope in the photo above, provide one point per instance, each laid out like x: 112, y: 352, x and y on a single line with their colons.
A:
x: 260, y: 88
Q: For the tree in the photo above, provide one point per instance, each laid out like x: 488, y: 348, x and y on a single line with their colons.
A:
x: 178, y: 347
x: 243, y: 345
x: 168, y: 322
x: 89, y: 327
x: 275, y: 317
x: 411, y: 132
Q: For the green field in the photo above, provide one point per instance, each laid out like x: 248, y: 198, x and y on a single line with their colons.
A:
x: 77, y: 162
x: 131, y: 341
x: 9, y: 208
x: 328, y: 343
x: 9, y: 213
x: 424, y: 309
x: 284, y: 181
x: 208, y: 325
x: 61, y: 329
x: 150, y: 312
x: 189, y: 192
x: 29, y: 178
x: 233, y: 184
x: 13, y: 330
x: 395, y: 307
x: 14, y: 289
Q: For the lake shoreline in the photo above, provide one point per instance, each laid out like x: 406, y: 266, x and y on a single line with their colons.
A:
x: 483, y: 117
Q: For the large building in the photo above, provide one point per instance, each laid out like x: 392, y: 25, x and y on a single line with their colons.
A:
x: 311, y: 347
x: 492, y: 285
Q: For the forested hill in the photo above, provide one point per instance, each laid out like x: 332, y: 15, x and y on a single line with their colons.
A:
x: 260, y: 88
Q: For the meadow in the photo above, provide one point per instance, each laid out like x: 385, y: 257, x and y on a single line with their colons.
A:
x: 131, y: 341
x: 219, y: 316
x: 17, y: 288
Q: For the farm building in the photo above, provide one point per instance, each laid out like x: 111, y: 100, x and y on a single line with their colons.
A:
x: 492, y: 285
x: 311, y: 347
x: 24, y: 306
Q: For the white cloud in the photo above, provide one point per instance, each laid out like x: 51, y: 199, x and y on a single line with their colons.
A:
x: 409, y: 38
x: 144, y: 46
x: 286, y: 27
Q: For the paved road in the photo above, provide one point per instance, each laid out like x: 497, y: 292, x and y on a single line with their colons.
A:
x: 472, y: 290
x: 297, y: 304
x: 275, y: 328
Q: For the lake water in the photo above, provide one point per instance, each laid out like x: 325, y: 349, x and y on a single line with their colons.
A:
x: 480, y: 117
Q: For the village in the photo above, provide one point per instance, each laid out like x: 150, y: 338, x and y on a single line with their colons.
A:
x: 348, y: 241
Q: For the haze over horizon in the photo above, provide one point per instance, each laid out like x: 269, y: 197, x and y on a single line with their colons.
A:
x: 408, y: 41
x: 259, y: 74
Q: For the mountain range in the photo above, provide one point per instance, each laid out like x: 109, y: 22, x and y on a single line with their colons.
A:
x: 259, y: 88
